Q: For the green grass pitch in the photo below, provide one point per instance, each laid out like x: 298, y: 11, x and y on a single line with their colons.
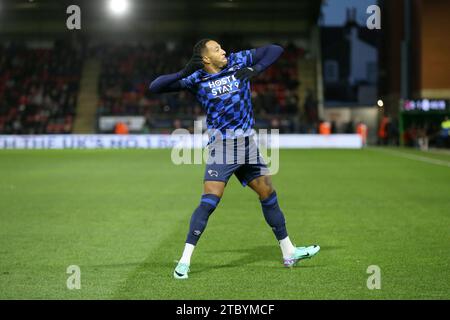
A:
x: 122, y: 217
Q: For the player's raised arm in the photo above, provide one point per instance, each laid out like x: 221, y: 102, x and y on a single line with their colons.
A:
x: 171, y: 82
x: 166, y: 83
x: 263, y: 57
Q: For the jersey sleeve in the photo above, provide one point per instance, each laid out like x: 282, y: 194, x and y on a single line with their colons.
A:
x: 244, y: 58
x: 189, y: 82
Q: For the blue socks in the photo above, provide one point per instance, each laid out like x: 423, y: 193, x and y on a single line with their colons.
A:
x: 200, y: 217
x: 272, y: 213
x: 274, y: 216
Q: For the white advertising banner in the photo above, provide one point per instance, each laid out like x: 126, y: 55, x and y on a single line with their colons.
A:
x: 351, y: 141
x: 157, y: 141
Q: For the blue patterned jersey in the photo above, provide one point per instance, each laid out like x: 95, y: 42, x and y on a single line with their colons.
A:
x: 227, y: 100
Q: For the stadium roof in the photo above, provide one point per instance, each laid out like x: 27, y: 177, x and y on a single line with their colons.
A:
x: 257, y: 17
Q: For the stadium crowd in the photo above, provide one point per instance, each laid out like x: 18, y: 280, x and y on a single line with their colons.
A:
x: 425, y: 135
x: 38, y: 88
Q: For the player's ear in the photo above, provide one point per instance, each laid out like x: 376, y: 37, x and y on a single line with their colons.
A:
x: 206, y: 59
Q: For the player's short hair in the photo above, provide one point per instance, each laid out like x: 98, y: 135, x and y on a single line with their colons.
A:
x: 200, y: 46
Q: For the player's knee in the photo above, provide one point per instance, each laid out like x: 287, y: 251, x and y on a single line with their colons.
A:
x: 214, y: 187
x: 266, y: 193
x: 217, y: 192
x: 268, y: 188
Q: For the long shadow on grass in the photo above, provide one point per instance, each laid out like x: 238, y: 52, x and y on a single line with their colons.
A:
x: 267, y: 254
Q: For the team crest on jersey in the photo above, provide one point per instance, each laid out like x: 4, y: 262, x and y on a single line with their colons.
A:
x: 213, y: 173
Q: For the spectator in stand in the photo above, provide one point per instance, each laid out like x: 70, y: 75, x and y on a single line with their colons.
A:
x: 383, y: 131
x: 422, y: 138
x: 350, y: 127
x: 445, y: 133
x: 324, y: 127
x: 393, y: 132
x: 361, y: 129
x: 310, y: 107
x: 121, y: 128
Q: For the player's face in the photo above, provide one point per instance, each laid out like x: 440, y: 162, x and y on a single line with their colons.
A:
x: 215, y: 54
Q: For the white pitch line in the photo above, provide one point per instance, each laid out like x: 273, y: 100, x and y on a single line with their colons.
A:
x: 414, y: 157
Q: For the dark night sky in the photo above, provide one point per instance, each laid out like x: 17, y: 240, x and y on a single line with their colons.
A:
x: 334, y: 11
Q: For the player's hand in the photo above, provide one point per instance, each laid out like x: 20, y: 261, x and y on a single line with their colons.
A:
x: 246, y: 73
x: 195, y: 63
